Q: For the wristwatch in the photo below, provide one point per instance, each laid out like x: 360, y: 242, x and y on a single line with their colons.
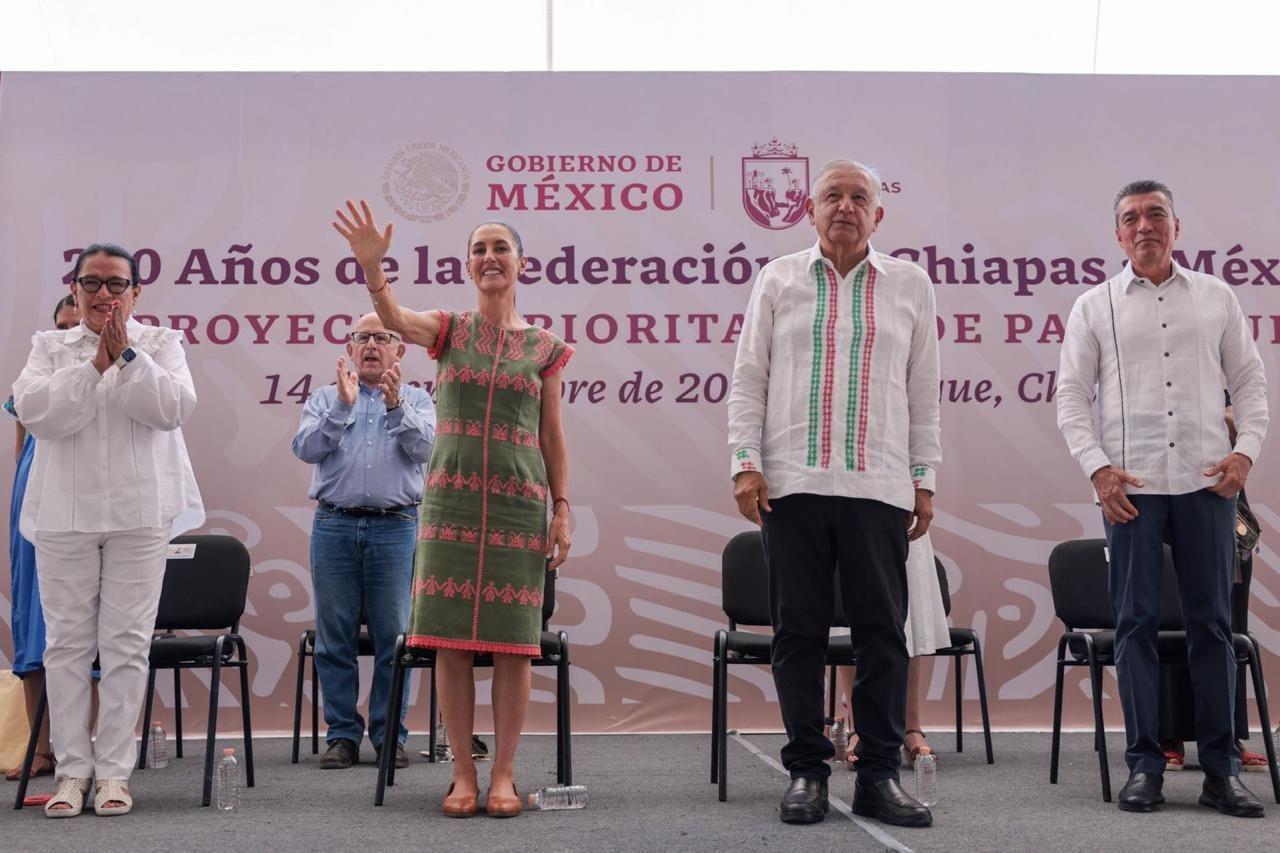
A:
x: 126, y: 356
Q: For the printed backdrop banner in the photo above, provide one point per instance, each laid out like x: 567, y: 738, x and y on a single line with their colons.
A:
x: 647, y: 203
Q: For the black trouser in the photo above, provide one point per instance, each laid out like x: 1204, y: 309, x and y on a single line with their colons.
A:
x: 1178, y: 700
x: 1202, y: 535
x: 807, y: 539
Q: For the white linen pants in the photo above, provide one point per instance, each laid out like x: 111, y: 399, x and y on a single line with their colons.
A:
x: 100, y: 592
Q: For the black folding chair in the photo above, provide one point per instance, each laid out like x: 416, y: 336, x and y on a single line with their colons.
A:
x: 1078, y: 579
x: 555, y: 652
x: 206, y: 592
x: 307, y: 649
x: 964, y: 642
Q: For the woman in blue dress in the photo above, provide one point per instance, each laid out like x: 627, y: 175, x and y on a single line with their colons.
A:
x: 27, y: 617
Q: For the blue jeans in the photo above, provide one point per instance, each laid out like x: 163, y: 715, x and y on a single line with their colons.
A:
x: 359, y: 564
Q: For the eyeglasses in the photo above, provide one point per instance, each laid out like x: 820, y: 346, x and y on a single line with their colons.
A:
x: 381, y: 338
x: 91, y: 284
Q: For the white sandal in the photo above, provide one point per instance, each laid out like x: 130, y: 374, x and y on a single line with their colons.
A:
x: 70, y: 792
x: 111, y: 791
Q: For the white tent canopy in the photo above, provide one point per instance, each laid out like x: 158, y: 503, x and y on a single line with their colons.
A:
x: 1064, y: 37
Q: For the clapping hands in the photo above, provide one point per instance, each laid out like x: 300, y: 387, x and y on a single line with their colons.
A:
x: 113, y: 340
x: 390, y: 386
x: 348, y: 383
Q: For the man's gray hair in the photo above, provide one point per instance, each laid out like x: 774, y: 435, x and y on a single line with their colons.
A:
x: 1142, y: 187
x: 842, y: 163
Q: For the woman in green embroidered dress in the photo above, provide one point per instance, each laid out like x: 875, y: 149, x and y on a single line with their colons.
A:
x: 499, y: 459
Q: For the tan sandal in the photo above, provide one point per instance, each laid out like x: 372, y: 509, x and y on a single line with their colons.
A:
x: 41, y: 765
x: 70, y: 793
x: 910, y: 755
x: 112, y: 791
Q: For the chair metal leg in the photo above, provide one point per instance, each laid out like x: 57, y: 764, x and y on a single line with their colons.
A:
x: 146, y: 717
x: 959, y: 704
x: 245, y: 701
x: 559, y: 723
x: 722, y: 722
x: 1095, y: 676
x: 831, y: 692
x: 717, y: 650
x: 36, y: 725
x: 1057, y: 713
x: 315, y: 705
x: 394, y: 701
x: 1264, y: 717
x: 177, y: 711
x: 566, y: 710
x: 297, y: 697
x: 431, y: 737
x: 215, y: 678
x: 982, y: 698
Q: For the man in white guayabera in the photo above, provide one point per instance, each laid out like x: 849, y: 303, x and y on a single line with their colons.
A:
x: 834, y: 437
x: 1158, y: 343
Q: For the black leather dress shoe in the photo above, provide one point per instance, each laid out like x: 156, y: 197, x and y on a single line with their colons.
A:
x: 887, y: 802
x: 1142, y: 793
x: 340, y: 755
x: 805, y: 801
x: 1228, y: 795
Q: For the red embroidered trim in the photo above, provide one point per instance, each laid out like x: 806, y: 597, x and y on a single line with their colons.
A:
x: 501, y: 379
x: 864, y: 395
x: 424, y: 641
x: 437, y: 349
x: 511, y: 487
x: 543, y: 346
x: 829, y: 369
x: 488, y: 341
x: 516, y: 435
x: 484, y: 495
x: 515, y: 346
x: 497, y: 538
x: 490, y: 594
x: 462, y: 330
x: 558, y: 365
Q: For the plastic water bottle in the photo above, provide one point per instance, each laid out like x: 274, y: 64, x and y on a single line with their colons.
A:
x: 926, y: 779
x: 157, y: 748
x: 558, y: 797
x: 443, y: 751
x: 226, y: 785
x: 840, y: 740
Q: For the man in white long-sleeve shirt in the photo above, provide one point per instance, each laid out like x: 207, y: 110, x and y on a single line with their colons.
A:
x: 111, y: 484
x: 834, y: 440
x: 1158, y: 343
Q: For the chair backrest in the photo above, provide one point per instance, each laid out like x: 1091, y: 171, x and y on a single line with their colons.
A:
x: 548, y: 598
x: 207, y: 591
x: 943, y: 585
x: 1078, y: 575
x: 744, y: 580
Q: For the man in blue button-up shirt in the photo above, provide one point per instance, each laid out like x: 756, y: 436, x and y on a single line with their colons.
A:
x: 368, y: 437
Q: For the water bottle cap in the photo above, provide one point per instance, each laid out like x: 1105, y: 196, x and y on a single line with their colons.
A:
x: 229, y: 751
x: 533, y: 800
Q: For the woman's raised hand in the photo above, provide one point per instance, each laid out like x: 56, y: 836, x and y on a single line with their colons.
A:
x: 368, y: 244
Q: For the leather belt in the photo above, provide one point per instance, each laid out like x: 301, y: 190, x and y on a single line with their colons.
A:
x: 369, y: 511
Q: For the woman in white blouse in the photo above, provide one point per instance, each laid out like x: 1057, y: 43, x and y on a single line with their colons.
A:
x: 111, y: 484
